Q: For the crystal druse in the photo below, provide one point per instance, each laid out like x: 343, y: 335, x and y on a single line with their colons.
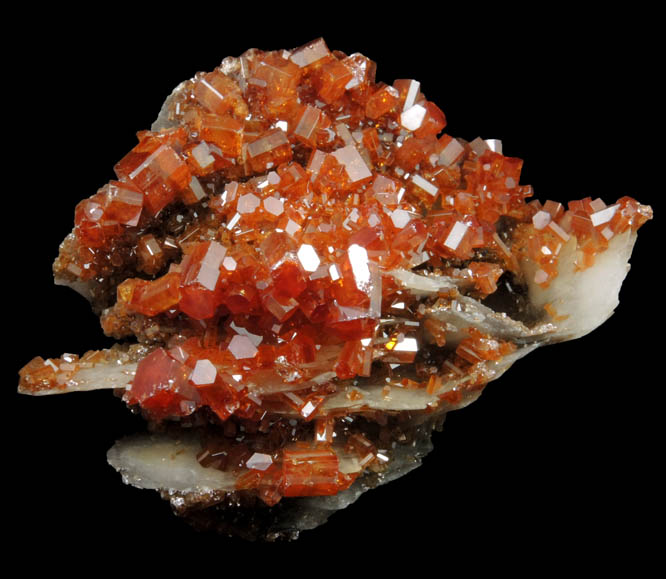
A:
x: 310, y: 273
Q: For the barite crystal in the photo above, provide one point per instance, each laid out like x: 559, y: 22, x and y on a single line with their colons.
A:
x: 315, y: 275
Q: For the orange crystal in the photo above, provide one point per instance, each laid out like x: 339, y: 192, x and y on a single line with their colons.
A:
x: 161, y: 386
x: 156, y: 168
x: 309, y: 472
x: 154, y: 297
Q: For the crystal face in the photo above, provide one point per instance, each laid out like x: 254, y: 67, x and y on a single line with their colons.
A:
x: 302, y: 244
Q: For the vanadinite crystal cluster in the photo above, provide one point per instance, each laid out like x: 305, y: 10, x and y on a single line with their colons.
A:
x: 307, y: 273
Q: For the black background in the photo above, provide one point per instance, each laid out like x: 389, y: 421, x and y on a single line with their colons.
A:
x: 557, y: 461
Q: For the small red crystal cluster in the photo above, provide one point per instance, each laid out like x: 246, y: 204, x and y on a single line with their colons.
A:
x: 300, y: 184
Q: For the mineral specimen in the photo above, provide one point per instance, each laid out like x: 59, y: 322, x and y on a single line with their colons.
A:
x: 315, y: 275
